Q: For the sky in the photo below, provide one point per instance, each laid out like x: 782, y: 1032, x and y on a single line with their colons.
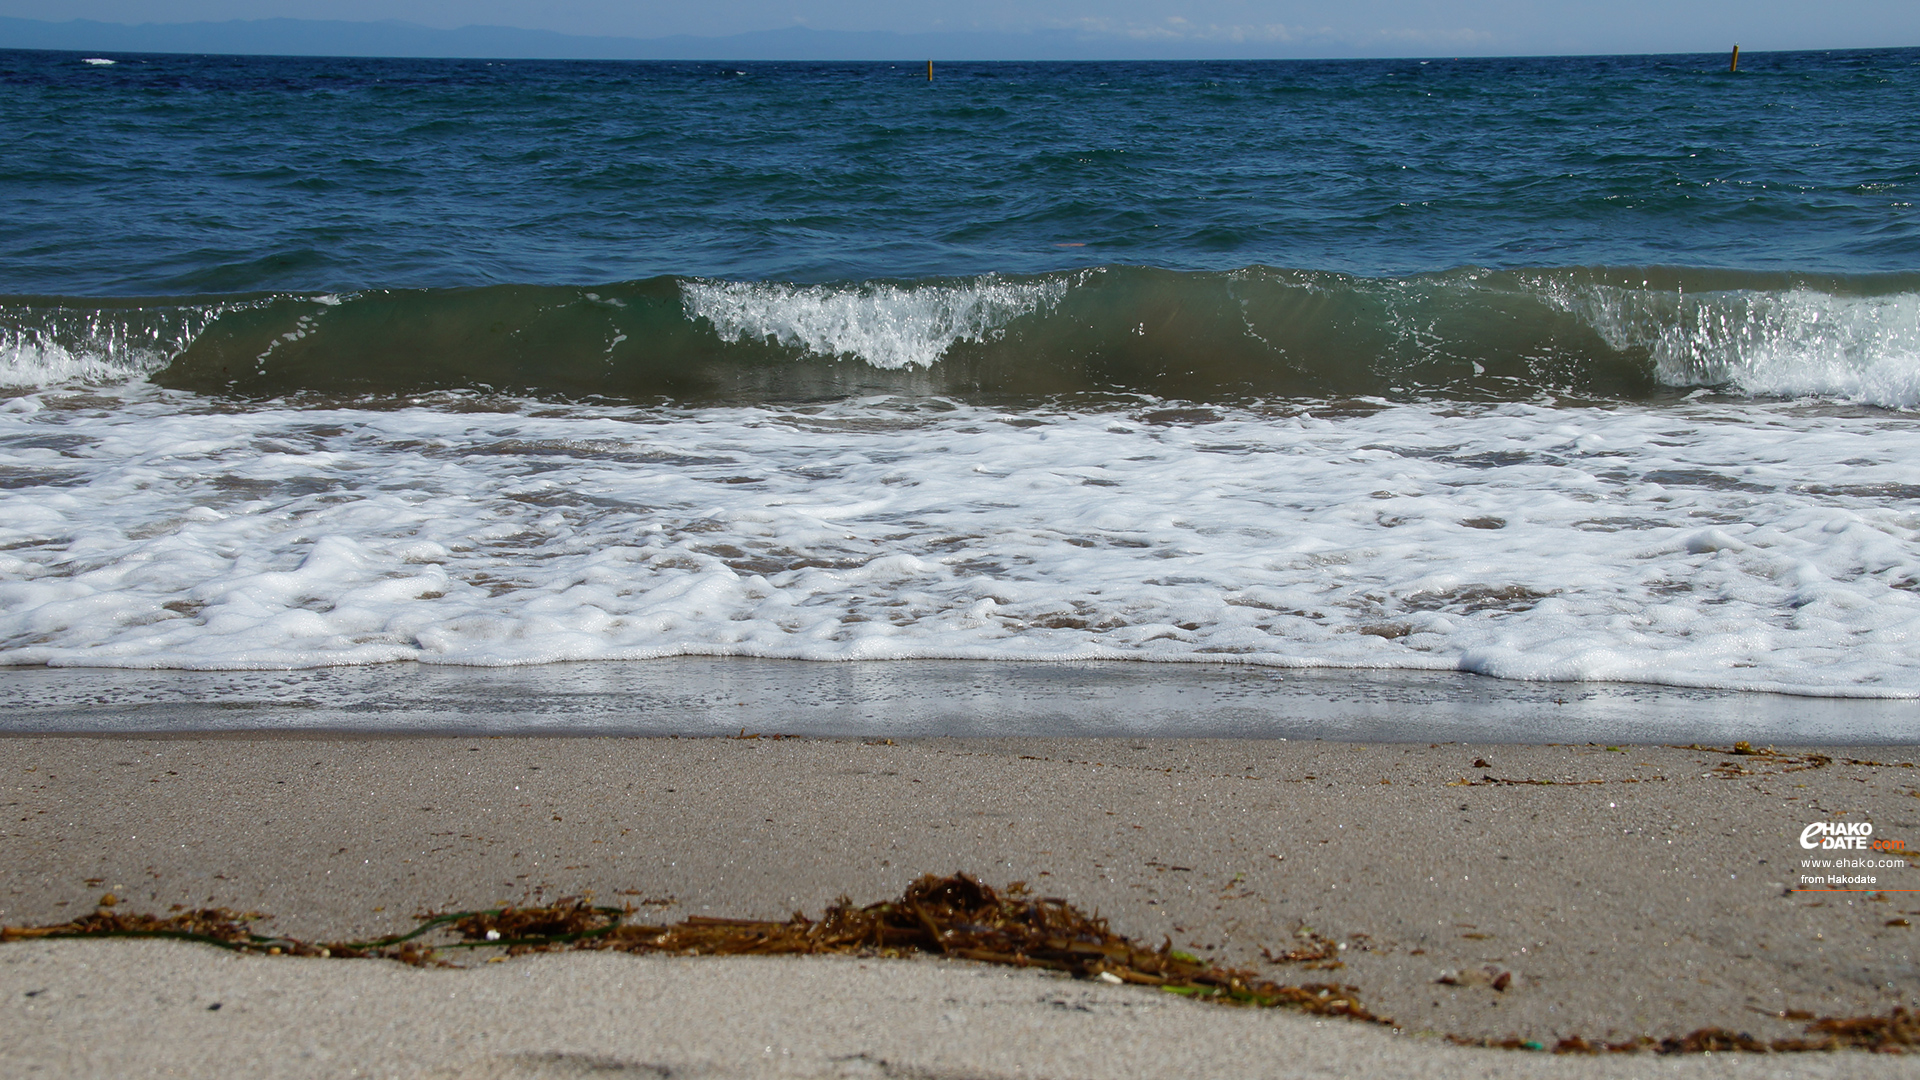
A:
x: 1285, y: 27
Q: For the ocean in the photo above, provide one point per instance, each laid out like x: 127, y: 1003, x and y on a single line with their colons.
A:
x: 1552, y: 370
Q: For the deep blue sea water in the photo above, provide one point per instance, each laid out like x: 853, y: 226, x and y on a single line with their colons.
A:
x: 1595, y: 368
x: 187, y: 175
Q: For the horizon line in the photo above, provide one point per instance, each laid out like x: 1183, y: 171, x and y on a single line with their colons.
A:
x: 1124, y: 48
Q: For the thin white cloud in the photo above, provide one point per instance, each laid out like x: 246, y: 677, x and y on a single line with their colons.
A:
x: 1428, y: 37
x: 1177, y: 29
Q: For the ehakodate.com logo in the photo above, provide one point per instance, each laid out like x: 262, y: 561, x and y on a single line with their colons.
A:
x: 1846, y: 836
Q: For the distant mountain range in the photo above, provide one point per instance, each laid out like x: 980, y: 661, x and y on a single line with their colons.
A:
x: 309, y: 37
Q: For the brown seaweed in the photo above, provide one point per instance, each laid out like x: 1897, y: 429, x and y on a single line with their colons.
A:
x: 963, y: 918
x: 955, y: 916
x: 1896, y: 1033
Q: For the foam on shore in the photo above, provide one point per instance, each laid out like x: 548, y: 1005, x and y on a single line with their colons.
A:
x: 1723, y: 545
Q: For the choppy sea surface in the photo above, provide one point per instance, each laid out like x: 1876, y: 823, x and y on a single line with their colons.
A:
x: 1551, y: 369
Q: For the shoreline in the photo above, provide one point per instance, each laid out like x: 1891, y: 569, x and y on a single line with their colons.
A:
x: 1625, y: 891
x: 694, y: 696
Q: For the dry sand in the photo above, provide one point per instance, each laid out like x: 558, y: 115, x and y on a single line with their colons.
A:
x: 1624, y: 891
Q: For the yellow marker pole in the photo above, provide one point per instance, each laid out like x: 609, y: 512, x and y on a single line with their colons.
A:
x: 1732, y: 67
x: 929, y: 71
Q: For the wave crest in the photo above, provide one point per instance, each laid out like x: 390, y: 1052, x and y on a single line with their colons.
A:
x: 42, y: 346
x: 1794, y: 342
x: 1267, y: 333
x: 890, y: 327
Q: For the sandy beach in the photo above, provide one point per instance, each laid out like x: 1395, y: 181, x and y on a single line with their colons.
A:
x: 1608, y: 891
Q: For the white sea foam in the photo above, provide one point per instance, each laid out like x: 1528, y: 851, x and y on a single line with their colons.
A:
x: 887, y: 326
x: 57, y: 347
x: 34, y: 363
x: 1789, y: 343
x: 1757, y: 546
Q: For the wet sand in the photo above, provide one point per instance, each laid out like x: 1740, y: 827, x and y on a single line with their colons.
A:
x: 697, y: 695
x: 1622, y: 891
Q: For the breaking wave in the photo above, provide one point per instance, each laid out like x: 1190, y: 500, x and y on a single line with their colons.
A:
x: 1257, y: 332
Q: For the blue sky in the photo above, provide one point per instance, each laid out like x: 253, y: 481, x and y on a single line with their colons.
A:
x: 1281, y: 27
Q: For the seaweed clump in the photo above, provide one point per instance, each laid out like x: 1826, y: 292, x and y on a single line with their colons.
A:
x: 960, y: 917
x: 955, y: 916
x: 1896, y: 1033
x: 227, y: 929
